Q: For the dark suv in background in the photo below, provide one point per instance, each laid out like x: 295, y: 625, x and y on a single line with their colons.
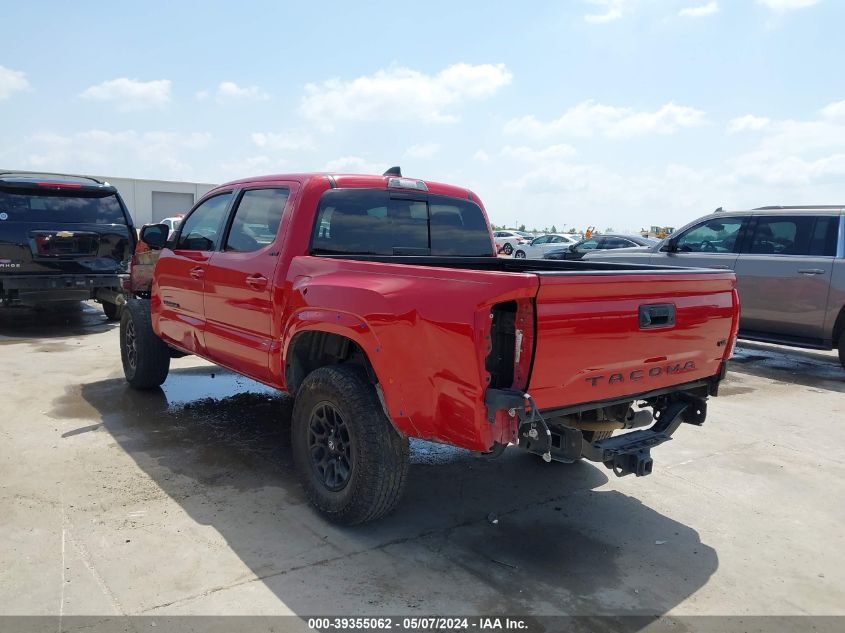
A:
x: 62, y: 238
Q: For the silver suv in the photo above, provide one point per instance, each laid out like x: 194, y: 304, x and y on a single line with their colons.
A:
x: 789, y: 263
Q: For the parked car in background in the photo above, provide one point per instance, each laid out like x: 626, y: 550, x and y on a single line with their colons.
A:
x: 508, y: 241
x: 539, y: 246
x: 172, y: 223
x: 599, y: 243
x: 789, y: 263
x: 62, y: 238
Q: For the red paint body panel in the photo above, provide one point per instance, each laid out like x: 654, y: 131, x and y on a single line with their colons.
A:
x: 590, y: 346
x: 425, y: 329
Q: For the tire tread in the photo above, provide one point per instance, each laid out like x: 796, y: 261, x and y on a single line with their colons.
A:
x: 382, y: 456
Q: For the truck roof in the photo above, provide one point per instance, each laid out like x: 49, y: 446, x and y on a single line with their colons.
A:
x: 354, y: 181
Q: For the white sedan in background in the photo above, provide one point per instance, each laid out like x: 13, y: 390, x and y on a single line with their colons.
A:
x: 508, y: 241
x: 540, y: 245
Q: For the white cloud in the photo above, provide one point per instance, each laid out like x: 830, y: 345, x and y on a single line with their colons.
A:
x: 230, y: 91
x: 592, y: 119
x: 402, y: 94
x: 291, y: 140
x: 481, y: 156
x: 131, y: 94
x: 781, y: 6
x: 834, y: 110
x: 423, y: 150
x: 700, y: 11
x: 116, y: 153
x: 747, y: 123
x: 11, y: 81
x: 354, y: 165
x: 533, y: 155
x: 611, y: 10
x: 794, y: 153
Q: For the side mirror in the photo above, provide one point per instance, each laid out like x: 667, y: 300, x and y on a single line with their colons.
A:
x: 671, y: 245
x: 573, y: 248
x: 155, y: 235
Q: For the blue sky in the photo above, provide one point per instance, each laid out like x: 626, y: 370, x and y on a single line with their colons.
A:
x: 614, y: 113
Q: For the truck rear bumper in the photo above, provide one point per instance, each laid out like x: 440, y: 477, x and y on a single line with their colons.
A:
x: 549, y: 434
x: 24, y: 289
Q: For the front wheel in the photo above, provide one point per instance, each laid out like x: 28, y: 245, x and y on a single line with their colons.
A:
x: 145, y: 357
x: 507, y: 249
x: 519, y: 255
x: 351, y: 461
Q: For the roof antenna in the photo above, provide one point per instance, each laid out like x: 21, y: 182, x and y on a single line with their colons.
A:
x: 393, y: 171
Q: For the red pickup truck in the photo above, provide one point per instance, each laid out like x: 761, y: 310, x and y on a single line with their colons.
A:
x: 379, y: 303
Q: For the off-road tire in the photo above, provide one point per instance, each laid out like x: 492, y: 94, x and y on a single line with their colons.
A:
x: 507, y: 249
x: 595, y: 436
x: 145, y: 357
x: 379, y: 454
x: 112, y: 311
x: 520, y: 254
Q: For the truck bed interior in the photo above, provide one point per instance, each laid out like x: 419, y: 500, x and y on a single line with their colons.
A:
x: 538, y: 266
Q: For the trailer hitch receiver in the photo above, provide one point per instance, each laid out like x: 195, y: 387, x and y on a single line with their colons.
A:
x: 639, y: 463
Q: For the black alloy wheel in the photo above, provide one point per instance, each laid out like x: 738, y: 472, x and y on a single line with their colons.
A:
x: 330, y: 446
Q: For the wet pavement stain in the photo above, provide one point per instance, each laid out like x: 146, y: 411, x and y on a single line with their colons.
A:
x: 24, y: 324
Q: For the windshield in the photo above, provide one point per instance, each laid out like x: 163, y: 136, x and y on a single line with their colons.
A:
x: 60, y: 206
x: 378, y: 222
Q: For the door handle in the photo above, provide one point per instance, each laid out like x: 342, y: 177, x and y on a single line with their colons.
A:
x: 256, y: 282
x: 720, y: 267
x: 197, y: 272
x: 811, y: 271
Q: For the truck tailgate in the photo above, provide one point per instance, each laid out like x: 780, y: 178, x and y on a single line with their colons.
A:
x: 605, y: 337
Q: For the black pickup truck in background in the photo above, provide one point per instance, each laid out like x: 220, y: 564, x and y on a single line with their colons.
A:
x: 62, y: 238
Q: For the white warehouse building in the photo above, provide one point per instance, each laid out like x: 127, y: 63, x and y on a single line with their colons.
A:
x: 151, y: 200
x: 154, y: 200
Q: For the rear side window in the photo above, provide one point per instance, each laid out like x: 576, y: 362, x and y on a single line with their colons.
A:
x: 202, y: 228
x: 257, y: 219
x: 795, y: 235
x: 61, y: 207
x: 376, y: 222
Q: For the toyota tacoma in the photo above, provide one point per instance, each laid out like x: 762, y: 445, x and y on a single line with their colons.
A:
x: 380, y: 304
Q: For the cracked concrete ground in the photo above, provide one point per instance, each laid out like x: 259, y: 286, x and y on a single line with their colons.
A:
x: 183, y: 501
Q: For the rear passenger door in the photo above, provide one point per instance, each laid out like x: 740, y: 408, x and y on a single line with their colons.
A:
x: 784, y: 273
x: 240, y: 282
x: 180, y: 274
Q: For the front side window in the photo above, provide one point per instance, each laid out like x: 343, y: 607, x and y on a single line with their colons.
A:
x: 588, y: 245
x: 713, y: 236
x: 201, y: 230
x: 545, y: 239
x: 257, y: 219
x: 795, y: 235
x: 376, y: 222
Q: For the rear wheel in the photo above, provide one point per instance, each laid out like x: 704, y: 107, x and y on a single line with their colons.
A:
x: 112, y: 311
x: 519, y: 255
x: 146, y: 358
x: 507, y: 249
x: 351, y: 461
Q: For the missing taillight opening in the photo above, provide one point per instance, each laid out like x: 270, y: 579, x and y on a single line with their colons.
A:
x: 501, y: 357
